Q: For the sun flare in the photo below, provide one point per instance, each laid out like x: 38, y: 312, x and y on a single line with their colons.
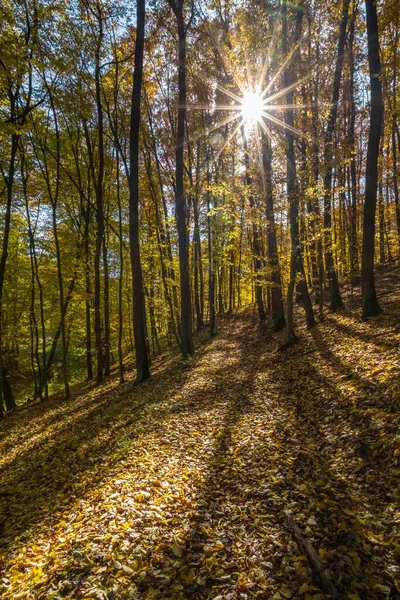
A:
x: 252, y: 107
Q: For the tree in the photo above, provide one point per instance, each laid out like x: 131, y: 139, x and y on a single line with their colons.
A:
x: 370, y: 305
x: 139, y: 317
x: 296, y: 259
x: 336, y: 300
x: 187, y: 346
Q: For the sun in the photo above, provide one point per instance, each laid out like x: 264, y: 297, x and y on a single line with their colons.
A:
x: 252, y: 107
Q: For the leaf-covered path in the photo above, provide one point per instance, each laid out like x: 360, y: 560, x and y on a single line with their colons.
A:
x: 178, y: 490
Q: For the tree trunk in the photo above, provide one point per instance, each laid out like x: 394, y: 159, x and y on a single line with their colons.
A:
x: 336, y: 299
x: 354, y: 266
x: 99, y: 217
x: 139, y: 315
x: 296, y: 260
x: 370, y: 306
x: 42, y: 373
x: 256, y: 241
x: 88, y: 292
x: 278, y: 316
x: 9, y: 180
x: 187, y: 346
x: 121, y: 279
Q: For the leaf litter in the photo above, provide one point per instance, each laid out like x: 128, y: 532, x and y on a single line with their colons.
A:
x: 179, y: 489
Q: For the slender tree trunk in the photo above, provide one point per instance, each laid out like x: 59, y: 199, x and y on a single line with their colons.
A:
x: 256, y: 241
x: 336, y: 299
x: 164, y: 247
x: 370, y: 306
x: 88, y: 292
x: 4, y: 384
x: 296, y: 260
x: 198, y: 269
x: 393, y: 132
x: 381, y: 209
x: 42, y: 384
x: 278, y: 316
x: 211, y: 268
x: 139, y: 322
x: 54, y: 204
x: 106, y: 299
x: 121, y: 278
x: 354, y: 265
x: 99, y: 213
x: 58, y: 333
x: 187, y: 346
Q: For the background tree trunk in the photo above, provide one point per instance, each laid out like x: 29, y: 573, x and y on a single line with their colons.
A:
x: 370, y: 306
x: 139, y: 323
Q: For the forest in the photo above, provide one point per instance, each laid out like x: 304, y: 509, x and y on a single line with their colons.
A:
x: 199, y: 299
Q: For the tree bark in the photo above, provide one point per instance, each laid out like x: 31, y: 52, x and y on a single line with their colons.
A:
x: 139, y: 315
x: 278, y: 315
x: 296, y: 260
x: 370, y: 305
x: 9, y: 181
x: 336, y: 299
x: 187, y: 346
x: 354, y: 265
x: 256, y: 241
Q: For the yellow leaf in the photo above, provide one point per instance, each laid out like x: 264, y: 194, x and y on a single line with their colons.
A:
x: 177, y: 550
x: 285, y: 592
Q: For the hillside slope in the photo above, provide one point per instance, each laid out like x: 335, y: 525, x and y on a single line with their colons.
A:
x: 178, y: 489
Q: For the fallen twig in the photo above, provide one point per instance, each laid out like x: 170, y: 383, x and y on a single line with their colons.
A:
x: 307, y: 548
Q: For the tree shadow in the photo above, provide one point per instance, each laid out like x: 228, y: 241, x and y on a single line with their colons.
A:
x: 345, y: 468
x: 285, y: 436
x: 77, y: 447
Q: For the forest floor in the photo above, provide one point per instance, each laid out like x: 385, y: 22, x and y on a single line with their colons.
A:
x: 179, y: 489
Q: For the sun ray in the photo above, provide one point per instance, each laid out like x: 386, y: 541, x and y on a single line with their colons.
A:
x: 228, y: 93
x: 284, y: 106
x: 285, y: 126
x: 265, y: 128
x: 259, y: 152
x: 219, y: 87
x: 279, y: 71
x: 263, y: 74
x: 224, y: 107
x: 212, y: 128
x: 287, y: 89
x: 228, y: 139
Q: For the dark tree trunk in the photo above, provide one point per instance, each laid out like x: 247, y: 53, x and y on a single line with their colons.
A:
x: 187, y: 346
x: 106, y: 299
x: 58, y: 333
x: 394, y: 131
x: 198, y: 266
x: 370, y: 306
x: 164, y: 247
x: 139, y: 318
x: 336, y: 299
x: 9, y: 181
x: 88, y: 292
x: 278, y: 316
x: 354, y: 266
x: 296, y: 260
x: 99, y: 215
x: 41, y: 362
x: 211, y: 280
x: 121, y: 280
x: 53, y: 195
x: 381, y: 214
x: 256, y: 241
